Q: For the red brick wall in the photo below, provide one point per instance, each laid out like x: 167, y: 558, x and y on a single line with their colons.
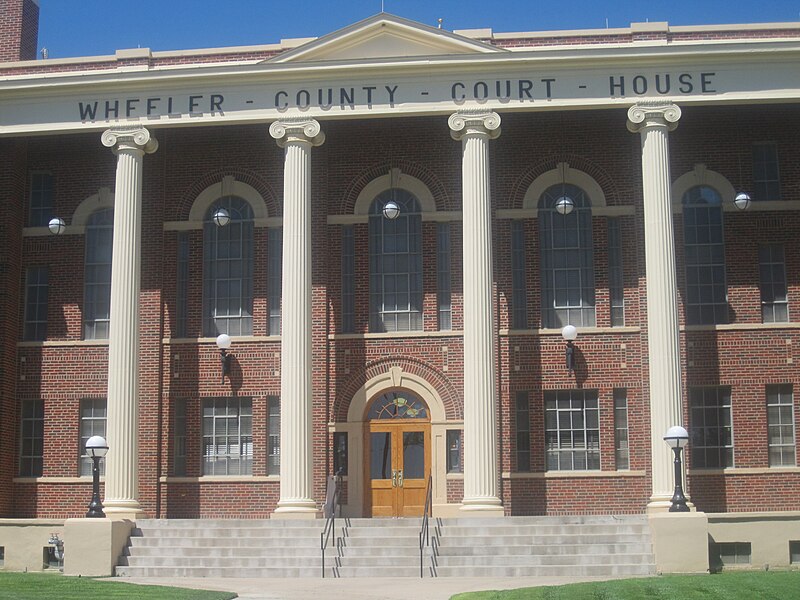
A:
x: 356, y: 151
x: 19, y: 30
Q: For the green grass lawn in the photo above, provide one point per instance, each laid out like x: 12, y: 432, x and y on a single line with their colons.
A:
x: 751, y: 585
x: 52, y: 586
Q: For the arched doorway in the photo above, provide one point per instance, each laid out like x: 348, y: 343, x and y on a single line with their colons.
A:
x: 398, y: 452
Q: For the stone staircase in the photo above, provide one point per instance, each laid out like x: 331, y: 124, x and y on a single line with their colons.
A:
x: 514, y: 546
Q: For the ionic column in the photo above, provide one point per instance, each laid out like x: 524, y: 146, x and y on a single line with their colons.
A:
x: 121, y: 479
x: 474, y: 130
x: 654, y: 121
x: 296, y: 137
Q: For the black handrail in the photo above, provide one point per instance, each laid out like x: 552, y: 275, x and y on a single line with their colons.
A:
x: 329, y: 511
x: 424, y: 532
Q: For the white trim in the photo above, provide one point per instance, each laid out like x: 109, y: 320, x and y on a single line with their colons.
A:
x: 398, y: 180
x: 566, y: 174
x: 700, y: 175
x: 104, y: 198
x: 581, y: 331
x: 62, y: 343
x: 219, y: 479
x: 227, y: 187
x: 397, y: 335
x: 393, y: 378
x: 741, y: 326
x: 571, y: 474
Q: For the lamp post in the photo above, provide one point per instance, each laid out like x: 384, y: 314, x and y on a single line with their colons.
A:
x: 224, y: 343
x: 570, y: 334
x: 677, y: 438
x: 96, y: 448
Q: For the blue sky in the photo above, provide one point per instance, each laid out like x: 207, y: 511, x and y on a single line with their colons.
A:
x: 92, y: 27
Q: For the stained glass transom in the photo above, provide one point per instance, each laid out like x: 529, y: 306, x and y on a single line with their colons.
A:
x: 398, y: 405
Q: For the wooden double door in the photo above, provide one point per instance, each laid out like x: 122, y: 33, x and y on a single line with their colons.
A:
x: 398, y: 466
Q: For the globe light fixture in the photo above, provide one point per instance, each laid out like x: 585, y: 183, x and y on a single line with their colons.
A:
x: 96, y: 448
x: 742, y: 201
x: 224, y: 344
x: 221, y: 217
x: 676, y: 438
x: 564, y: 205
x: 570, y: 334
x: 56, y: 226
x: 391, y: 210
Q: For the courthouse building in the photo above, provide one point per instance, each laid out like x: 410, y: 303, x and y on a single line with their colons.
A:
x: 393, y: 223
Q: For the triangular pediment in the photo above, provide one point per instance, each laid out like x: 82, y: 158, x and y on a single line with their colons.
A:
x: 384, y: 36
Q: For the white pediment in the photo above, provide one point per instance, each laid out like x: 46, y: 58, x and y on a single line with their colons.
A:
x: 384, y: 36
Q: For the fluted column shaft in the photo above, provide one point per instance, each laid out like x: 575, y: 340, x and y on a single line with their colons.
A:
x: 297, y: 138
x: 121, y: 478
x: 654, y: 121
x: 474, y: 130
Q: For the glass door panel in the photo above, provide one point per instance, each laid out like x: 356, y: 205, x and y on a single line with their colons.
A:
x: 413, y: 455
x: 381, y: 455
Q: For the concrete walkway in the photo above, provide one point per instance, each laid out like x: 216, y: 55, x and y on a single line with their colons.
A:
x: 397, y: 588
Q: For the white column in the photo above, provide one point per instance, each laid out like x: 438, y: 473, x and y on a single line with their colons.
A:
x: 121, y: 478
x: 297, y: 137
x: 474, y: 129
x: 654, y: 121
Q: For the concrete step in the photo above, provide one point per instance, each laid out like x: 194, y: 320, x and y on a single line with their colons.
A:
x: 531, y: 540
x: 546, y: 571
x: 208, y: 562
x: 156, y: 549
x: 210, y: 542
x: 488, y: 560
x: 125, y: 571
x: 222, y: 532
x: 550, y: 549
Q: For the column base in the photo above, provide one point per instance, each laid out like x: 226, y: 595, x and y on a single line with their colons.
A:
x: 296, y: 509
x: 488, y: 506
x: 123, y: 509
x: 93, y: 546
x: 680, y: 542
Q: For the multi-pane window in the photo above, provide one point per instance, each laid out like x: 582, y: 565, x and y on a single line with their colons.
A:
x: 780, y: 421
x: 704, y: 251
x: 443, y: 276
x: 766, y: 177
x: 182, y: 285
x: 772, y: 271
x: 97, y: 274
x: 523, y: 420
x: 31, y: 451
x: 348, y: 280
x: 395, y: 254
x: 340, y: 453
x: 622, y: 453
x: 227, y: 436
x: 454, y: 450
x: 179, y: 454
x: 565, y: 243
x: 228, y: 277
x: 572, y: 430
x: 41, y: 199
x: 616, y: 288
x: 36, y: 292
x: 274, y: 278
x: 710, y: 427
x: 93, y: 422
x: 519, y: 294
x: 273, y: 435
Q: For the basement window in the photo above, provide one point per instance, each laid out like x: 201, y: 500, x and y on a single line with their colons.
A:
x: 794, y: 552
x: 731, y: 554
x: 2, y: 556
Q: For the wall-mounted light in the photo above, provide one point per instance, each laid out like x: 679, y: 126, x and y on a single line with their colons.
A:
x: 564, y: 205
x: 224, y: 344
x: 96, y: 448
x: 56, y: 226
x: 742, y: 200
x: 221, y: 217
x: 677, y: 438
x: 570, y: 334
x: 391, y: 210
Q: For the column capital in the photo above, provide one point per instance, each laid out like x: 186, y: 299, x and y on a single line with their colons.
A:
x: 297, y: 130
x: 647, y: 115
x: 473, y: 123
x: 129, y: 138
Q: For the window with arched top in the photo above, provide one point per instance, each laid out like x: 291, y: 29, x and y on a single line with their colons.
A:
x: 395, y: 264
x: 228, y: 269
x: 706, y: 299
x: 97, y: 274
x: 398, y: 405
x: 566, y: 259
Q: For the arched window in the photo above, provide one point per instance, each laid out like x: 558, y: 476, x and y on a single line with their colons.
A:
x: 97, y: 274
x: 704, y: 254
x: 398, y: 405
x: 395, y: 264
x: 228, y: 269
x: 565, y: 244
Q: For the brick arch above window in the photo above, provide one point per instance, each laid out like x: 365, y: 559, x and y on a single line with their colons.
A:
x: 563, y: 173
x: 398, y: 180
x: 701, y: 176
x: 228, y: 186
x: 248, y: 186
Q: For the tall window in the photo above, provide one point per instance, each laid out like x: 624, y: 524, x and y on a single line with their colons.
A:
x: 572, y: 430
x: 36, y: 292
x: 31, y: 451
x: 772, y: 271
x: 227, y: 436
x: 780, y: 420
x: 565, y: 243
x: 519, y: 293
x: 180, y: 437
x: 443, y: 276
x: 182, y: 285
x: 710, y: 427
x: 616, y: 289
x: 455, y: 445
x: 704, y: 250
x: 228, y: 277
x: 275, y: 278
x: 97, y: 274
x: 395, y: 248
x: 621, y: 447
x: 273, y: 435
x: 93, y: 422
x: 40, y: 200
x: 523, y: 420
x: 766, y: 177
x: 348, y: 280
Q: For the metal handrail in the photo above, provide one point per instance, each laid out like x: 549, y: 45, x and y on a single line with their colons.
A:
x: 424, y: 532
x: 329, y: 510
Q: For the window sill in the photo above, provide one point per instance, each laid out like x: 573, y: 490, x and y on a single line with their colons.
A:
x: 572, y: 474
x: 454, y: 476
x: 219, y: 479
x: 395, y: 335
x: 741, y: 326
x: 581, y: 331
x: 238, y: 339
x: 47, y: 480
x: 62, y: 343
x: 743, y: 471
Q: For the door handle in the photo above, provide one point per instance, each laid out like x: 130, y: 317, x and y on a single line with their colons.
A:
x: 394, y: 478
x: 400, y: 478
